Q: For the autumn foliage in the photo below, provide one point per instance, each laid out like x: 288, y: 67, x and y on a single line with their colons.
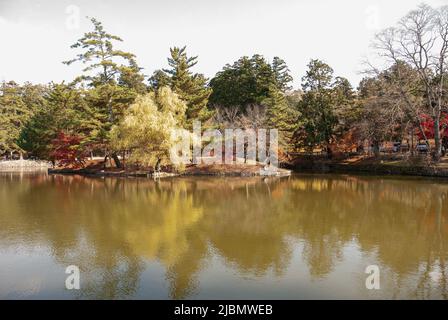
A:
x: 67, y: 150
x: 428, y: 126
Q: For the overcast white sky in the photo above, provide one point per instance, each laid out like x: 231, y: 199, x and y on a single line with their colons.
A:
x: 36, y: 34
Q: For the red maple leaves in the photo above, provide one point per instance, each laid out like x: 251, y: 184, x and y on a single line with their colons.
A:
x: 67, y: 150
x: 428, y: 126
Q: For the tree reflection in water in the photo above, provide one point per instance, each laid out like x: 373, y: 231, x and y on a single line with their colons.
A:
x: 112, y: 228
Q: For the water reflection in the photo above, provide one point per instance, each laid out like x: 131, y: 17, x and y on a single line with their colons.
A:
x: 115, y: 230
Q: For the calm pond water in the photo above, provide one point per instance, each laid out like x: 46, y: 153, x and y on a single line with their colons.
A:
x: 306, y: 236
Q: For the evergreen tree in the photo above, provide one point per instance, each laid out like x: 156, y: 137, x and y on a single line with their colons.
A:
x: 114, y: 84
x: 36, y: 136
x: 248, y: 81
x: 318, y: 78
x: 104, y: 61
x: 263, y: 75
x: 318, y: 117
x: 346, y: 109
x: 281, y: 116
x: 190, y: 87
x: 282, y: 74
x: 243, y: 83
x: 17, y: 106
x: 13, y: 115
x: 158, y: 80
x: 64, y: 110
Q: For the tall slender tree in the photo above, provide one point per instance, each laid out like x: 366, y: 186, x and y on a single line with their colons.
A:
x: 113, y: 74
x: 281, y: 115
x: 189, y: 86
x: 318, y: 118
x: 282, y: 74
x: 102, y: 58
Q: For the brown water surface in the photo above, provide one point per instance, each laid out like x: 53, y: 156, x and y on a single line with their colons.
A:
x: 306, y: 236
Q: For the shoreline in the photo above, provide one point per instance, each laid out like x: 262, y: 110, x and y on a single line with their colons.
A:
x: 200, y: 170
x: 392, y: 166
x: 374, y: 170
x: 320, y: 169
x: 385, y: 165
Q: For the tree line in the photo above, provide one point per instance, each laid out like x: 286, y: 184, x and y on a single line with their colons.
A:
x: 113, y: 109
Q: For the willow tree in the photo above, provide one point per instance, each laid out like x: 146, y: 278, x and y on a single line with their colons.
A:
x: 146, y: 130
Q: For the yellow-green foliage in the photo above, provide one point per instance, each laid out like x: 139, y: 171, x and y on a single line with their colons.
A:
x: 148, y: 125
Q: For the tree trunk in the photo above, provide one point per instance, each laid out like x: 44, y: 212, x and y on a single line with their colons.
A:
x: 105, y: 161
x: 376, y: 148
x: 438, y: 144
x: 116, y: 160
x: 329, y: 151
x: 422, y: 132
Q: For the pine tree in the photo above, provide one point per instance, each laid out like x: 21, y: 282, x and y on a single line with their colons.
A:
x: 64, y: 110
x: 245, y: 82
x: 114, y: 84
x: 282, y: 74
x: 36, y: 136
x: 317, y: 108
x: 191, y: 87
x: 346, y: 109
x: 158, y: 80
x: 102, y: 59
x: 17, y: 106
x: 281, y: 116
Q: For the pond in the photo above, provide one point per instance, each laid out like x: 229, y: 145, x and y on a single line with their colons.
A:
x: 299, y: 237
